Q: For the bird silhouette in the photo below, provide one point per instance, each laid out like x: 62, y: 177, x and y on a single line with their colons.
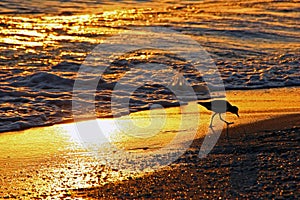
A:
x: 219, y: 107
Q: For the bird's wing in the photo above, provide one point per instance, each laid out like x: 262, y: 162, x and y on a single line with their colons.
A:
x: 219, y: 106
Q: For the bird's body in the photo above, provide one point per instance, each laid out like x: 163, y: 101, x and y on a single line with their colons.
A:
x: 219, y: 107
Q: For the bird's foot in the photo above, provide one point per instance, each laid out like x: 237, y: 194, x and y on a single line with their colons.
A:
x: 211, y: 126
x: 229, y: 123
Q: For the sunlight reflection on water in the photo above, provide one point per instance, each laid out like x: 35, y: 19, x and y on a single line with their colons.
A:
x: 56, y: 159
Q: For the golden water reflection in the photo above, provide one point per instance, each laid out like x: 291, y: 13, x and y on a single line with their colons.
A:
x: 52, y: 160
x: 149, y: 129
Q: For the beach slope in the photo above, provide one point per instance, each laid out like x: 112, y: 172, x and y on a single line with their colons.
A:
x: 260, y: 159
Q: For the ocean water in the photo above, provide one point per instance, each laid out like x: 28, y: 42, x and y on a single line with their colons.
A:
x: 44, y: 46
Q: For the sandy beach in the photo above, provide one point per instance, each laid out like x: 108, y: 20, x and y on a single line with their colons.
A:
x: 258, y: 160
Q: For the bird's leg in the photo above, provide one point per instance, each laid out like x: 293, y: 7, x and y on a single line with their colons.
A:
x: 227, y: 134
x: 228, y: 123
x: 211, y: 120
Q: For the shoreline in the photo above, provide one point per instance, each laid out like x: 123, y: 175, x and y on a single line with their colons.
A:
x: 68, y: 121
x: 47, y: 157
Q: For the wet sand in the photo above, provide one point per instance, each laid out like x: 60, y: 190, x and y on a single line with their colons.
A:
x: 260, y: 159
x: 262, y: 165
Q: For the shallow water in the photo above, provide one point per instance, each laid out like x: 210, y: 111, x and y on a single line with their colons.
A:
x: 51, y: 162
x: 253, y: 45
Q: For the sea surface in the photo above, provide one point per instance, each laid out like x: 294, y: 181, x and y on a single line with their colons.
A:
x: 44, y: 46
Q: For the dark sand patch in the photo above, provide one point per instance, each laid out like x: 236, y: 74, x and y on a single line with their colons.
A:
x: 260, y: 163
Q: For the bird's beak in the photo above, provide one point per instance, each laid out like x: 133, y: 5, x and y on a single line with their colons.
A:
x: 237, y: 114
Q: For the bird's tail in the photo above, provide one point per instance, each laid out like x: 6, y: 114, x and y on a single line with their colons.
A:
x: 201, y: 103
x: 205, y: 104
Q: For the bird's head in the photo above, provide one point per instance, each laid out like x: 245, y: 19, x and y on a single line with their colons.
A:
x: 235, y: 110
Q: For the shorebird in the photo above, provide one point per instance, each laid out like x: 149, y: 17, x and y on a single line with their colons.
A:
x: 219, y: 107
